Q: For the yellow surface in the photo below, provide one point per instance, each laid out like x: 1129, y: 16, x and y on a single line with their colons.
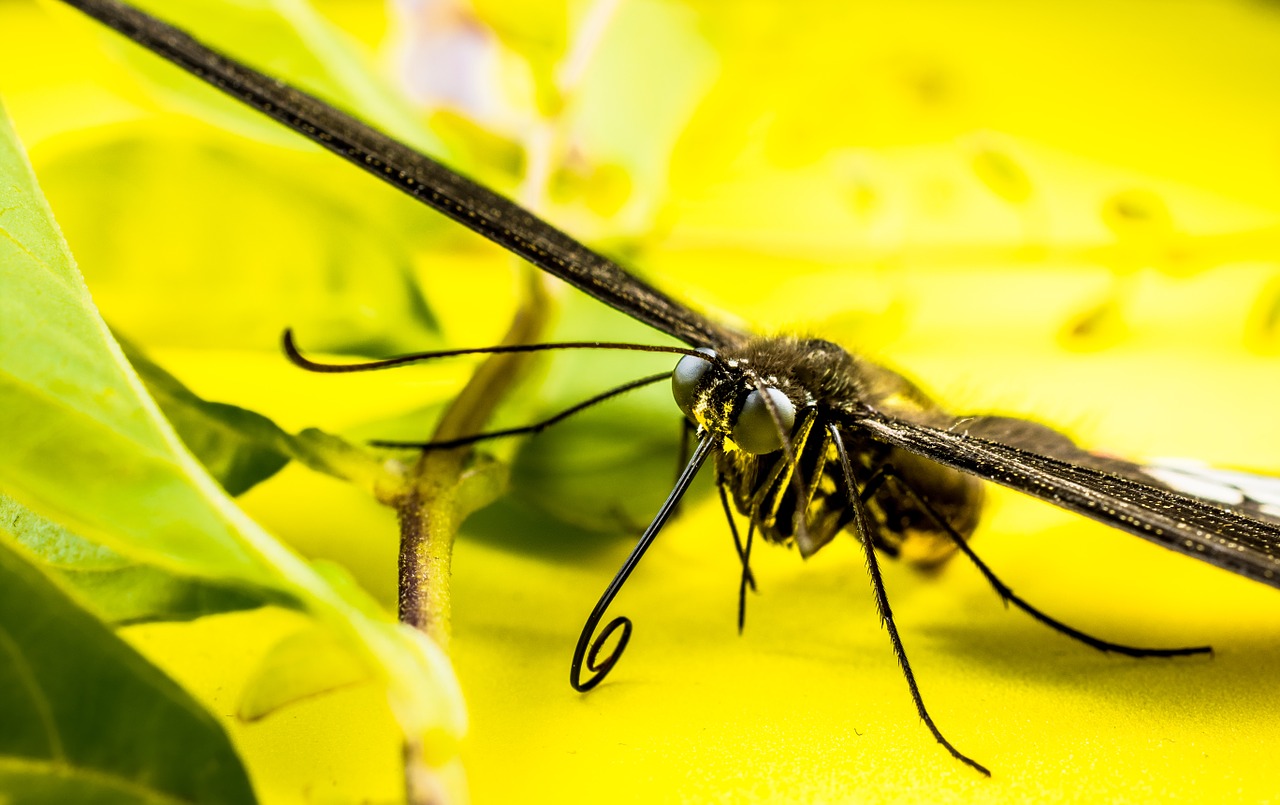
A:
x: 809, y: 706
x: 933, y: 272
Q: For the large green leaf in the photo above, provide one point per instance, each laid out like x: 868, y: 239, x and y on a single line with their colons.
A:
x: 239, y: 448
x: 87, y: 448
x: 80, y: 424
x: 88, y: 720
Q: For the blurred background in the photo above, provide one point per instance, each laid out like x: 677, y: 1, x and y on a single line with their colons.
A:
x: 1069, y: 211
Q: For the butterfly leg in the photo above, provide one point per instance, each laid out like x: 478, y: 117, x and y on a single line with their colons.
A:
x: 590, y: 644
x: 744, y: 552
x: 887, y: 474
x: 863, y: 529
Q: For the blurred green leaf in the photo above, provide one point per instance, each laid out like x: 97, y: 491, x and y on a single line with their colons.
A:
x: 87, y: 719
x: 627, y: 122
x: 220, y: 242
x: 1138, y: 216
x: 620, y: 124
x: 1097, y: 327
x: 540, y: 38
x: 494, y: 155
x: 603, y: 188
x: 1264, y: 318
x: 606, y: 469
x: 237, y: 446
x: 1002, y: 175
x: 307, y: 663
x: 241, y: 448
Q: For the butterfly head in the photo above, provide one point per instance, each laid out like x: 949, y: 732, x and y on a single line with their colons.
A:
x: 728, y: 397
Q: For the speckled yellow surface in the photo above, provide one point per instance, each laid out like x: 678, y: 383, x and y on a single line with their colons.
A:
x: 941, y: 278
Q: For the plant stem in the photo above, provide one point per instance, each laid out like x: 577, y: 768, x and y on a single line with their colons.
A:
x: 430, y: 510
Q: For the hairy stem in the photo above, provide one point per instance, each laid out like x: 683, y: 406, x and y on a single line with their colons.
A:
x: 430, y: 511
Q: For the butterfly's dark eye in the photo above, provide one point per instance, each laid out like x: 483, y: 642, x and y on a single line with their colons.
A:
x: 686, y: 377
x: 756, y: 431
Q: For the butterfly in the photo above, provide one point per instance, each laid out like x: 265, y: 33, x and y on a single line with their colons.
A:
x: 807, y: 439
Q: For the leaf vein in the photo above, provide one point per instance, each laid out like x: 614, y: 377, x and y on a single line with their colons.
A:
x: 97, y: 776
x: 58, y: 277
x: 38, y: 697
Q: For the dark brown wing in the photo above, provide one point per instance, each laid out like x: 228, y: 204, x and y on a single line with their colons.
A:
x: 1043, y: 463
x: 475, y: 207
x: 1251, y: 494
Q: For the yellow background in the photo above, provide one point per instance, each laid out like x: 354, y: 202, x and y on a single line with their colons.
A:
x: 961, y: 290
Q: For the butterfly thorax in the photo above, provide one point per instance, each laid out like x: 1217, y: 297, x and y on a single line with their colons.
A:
x: 828, y: 386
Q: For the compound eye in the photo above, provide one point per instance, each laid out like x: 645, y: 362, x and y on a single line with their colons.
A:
x: 755, y: 431
x: 685, y: 379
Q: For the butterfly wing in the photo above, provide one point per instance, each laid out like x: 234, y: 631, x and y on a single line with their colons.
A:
x: 1022, y: 455
x: 1251, y: 494
x: 1256, y: 495
x: 1241, y: 536
x: 472, y: 205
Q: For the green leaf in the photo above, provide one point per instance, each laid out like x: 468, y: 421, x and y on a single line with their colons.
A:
x: 88, y: 720
x: 89, y: 449
x: 241, y: 448
x: 237, y: 446
x: 80, y: 422
x: 307, y: 663
x: 606, y: 469
x: 626, y: 124
x: 540, y: 38
x: 307, y: 243
x: 120, y: 590
x: 623, y: 123
x: 216, y: 241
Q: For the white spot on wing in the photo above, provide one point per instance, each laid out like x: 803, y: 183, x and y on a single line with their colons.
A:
x: 1195, y: 486
x: 1212, y: 483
